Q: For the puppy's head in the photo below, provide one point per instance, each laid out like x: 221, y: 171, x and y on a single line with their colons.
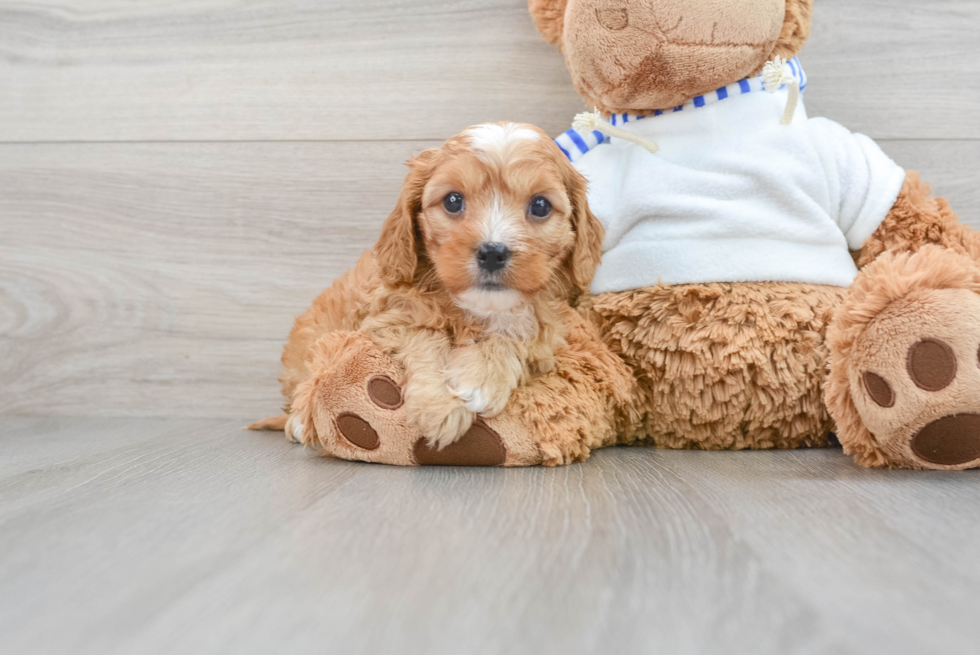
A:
x: 494, y: 216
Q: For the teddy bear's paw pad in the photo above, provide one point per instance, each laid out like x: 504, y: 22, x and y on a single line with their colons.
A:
x: 949, y: 441
x: 480, y: 446
x: 931, y: 364
x: 879, y: 390
x: 358, y: 431
x: 384, y: 393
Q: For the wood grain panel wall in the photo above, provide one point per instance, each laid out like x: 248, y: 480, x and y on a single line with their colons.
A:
x: 107, y: 70
x: 179, y: 179
x: 162, y: 278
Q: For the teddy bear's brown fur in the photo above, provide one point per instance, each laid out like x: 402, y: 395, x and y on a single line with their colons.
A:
x: 745, y: 365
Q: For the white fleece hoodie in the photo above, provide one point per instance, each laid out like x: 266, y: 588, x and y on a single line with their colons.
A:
x: 733, y: 195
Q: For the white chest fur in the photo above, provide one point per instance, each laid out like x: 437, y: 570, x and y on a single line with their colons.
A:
x: 505, y: 313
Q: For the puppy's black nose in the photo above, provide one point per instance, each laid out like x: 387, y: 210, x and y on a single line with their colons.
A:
x: 492, y: 256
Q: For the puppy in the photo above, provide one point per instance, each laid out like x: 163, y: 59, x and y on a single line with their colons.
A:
x: 470, y: 284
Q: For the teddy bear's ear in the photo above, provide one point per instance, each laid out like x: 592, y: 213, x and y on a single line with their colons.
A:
x: 796, y: 28
x: 549, y: 16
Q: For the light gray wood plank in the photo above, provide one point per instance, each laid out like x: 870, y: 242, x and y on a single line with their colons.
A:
x: 884, y: 528
x: 375, y: 69
x: 162, y: 279
x: 192, y: 536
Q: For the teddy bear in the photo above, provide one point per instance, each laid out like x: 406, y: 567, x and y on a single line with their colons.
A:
x: 772, y: 280
x: 767, y: 280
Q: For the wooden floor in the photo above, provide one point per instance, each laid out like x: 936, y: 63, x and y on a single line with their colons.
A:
x: 178, y: 180
x: 188, y: 536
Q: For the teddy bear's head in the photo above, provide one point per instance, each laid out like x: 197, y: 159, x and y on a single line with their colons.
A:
x: 642, y: 55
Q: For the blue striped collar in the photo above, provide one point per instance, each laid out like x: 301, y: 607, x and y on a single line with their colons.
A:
x: 575, y: 144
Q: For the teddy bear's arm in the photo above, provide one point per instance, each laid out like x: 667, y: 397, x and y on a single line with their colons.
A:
x: 916, y: 219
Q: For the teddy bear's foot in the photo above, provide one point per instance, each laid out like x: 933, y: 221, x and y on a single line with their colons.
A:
x: 910, y: 352
x: 353, y: 409
x: 923, y: 405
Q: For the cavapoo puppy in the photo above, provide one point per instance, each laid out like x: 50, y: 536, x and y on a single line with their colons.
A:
x: 467, y: 290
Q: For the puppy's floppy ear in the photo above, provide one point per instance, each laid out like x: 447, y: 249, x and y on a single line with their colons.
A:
x: 399, y: 247
x: 589, y: 233
x: 549, y: 16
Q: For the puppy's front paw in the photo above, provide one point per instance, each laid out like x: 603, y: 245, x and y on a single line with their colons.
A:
x: 445, y: 424
x: 439, y: 416
x: 482, y: 389
x: 483, y: 400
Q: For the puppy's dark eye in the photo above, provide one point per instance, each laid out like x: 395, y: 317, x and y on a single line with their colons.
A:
x: 539, y: 208
x: 453, y: 202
